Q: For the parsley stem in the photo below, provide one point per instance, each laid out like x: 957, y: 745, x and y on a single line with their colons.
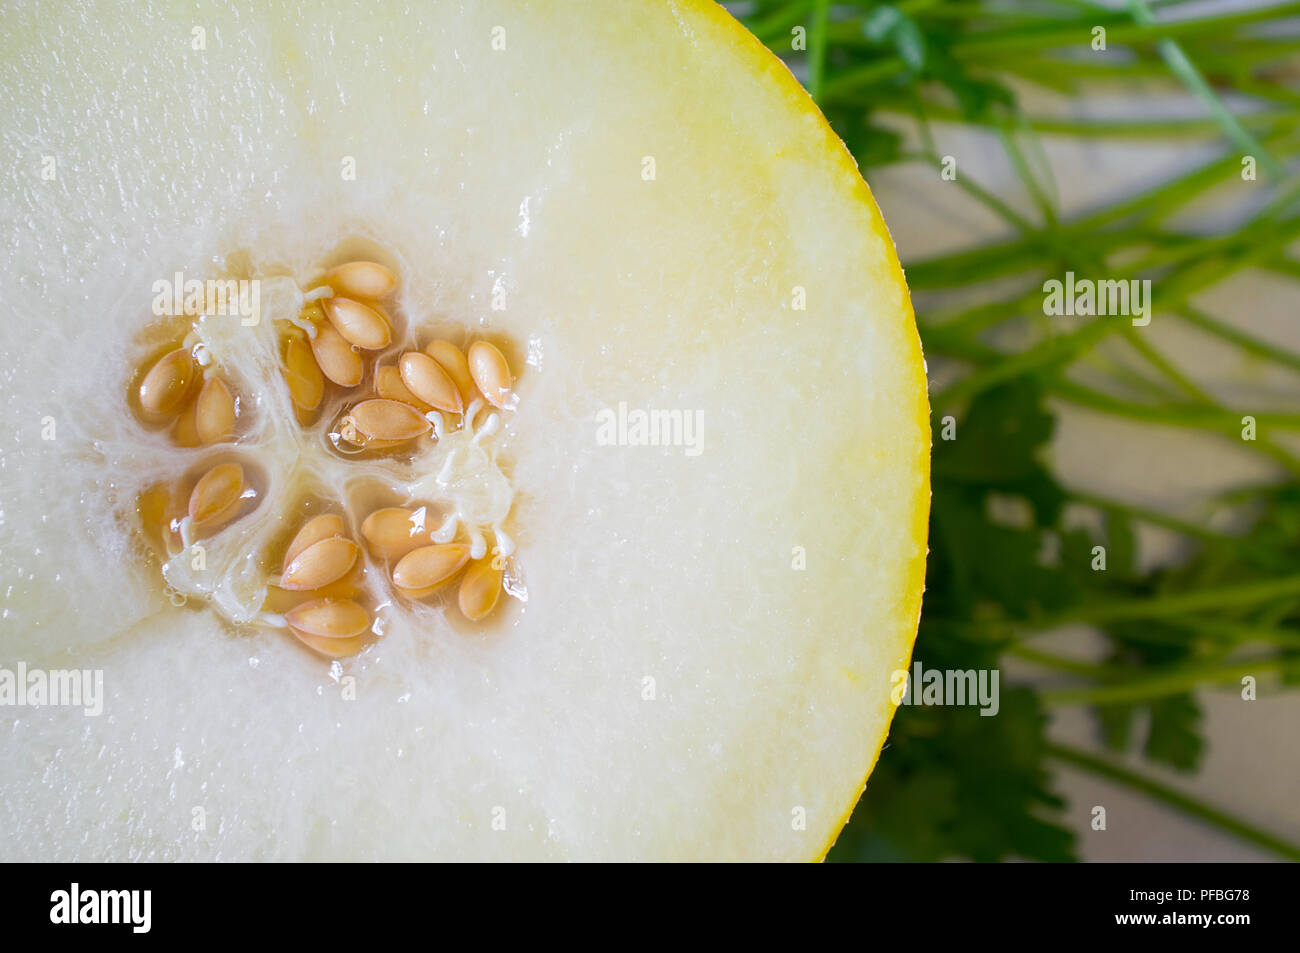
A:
x: 1190, y: 277
x: 1155, y: 518
x: 1197, y: 416
x: 1160, y: 606
x: 1182, y: 66
x: 1000, y: 258
x: 1243, y: 632
x: 1264, y: 120
x: 1060, y: 663
x: 1161, y: 683
x: 817, y: 49
x: 1118, y: 30
x: 778, y: 24
x: 1227, y: 423
x: 1156, y: 359
x: 1175, y: 799
x: 1244, y: 341
x: 1050, y: 352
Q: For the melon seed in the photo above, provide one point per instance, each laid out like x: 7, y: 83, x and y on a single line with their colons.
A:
x: 330, y: 648
x: 480, y: 589
x: 426, y: 379
x: 336, y: 357
x: 185, y: 432
x: 380, y: 419
x: 302, y: 375
x: 350, y: 433
x: 422, y: 570
x: 388, y: 384
x: 216, y: 496
x: 167, y: 383
x: 361, y: 279
x: 393, y: 532
x: 491, y: 373
x: 359, y: 323
x: 329, y: 618
x: 320, y: 564
x: 313, y: 531
x: 159, y: 507
x: 452, y: 360
x: 214, y: 412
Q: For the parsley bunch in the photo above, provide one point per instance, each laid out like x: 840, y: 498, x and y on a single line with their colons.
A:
x: 952, y: 784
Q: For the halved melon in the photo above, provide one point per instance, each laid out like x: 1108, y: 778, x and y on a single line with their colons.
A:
x: 640, y: 207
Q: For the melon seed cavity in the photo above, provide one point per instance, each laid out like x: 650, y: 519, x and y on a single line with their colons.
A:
x: 346, y: 377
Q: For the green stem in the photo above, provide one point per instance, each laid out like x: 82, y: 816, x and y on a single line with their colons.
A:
x: 1175, y: 799
x: 1196, y: 416
x: 1267, y: 121
x: 1049, y: 353
x: 776, y: 26
x: 1155, y: 518
x: 846, y: 81
x: 1176, y: 287
x: 1162, y: 364
x: 1079, y: 34
x: 974, y: 189
x: 817, y: 49
x: 1059, y: 663
x: 1246, y: 342
x: 1283, y: 266
x: 1242, y: 633
x: 1161, y: 684
x: 1182, y: 66
x: 1162, y: 606
x: 994, y: 260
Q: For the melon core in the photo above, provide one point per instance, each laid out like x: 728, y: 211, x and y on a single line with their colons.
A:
x: 716, y: 475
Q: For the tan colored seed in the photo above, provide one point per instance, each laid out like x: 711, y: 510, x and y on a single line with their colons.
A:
x: 480, y: 589
x: 425, y: 569
x: 185, y: 432
x: 280, y: 601
x: 167, y: 383
x: 426, y: 379
x: 153, y: 505
x: 312, y: 532
x: 329, y: 618
x: 320, y: 564
x: 216, y: 496
x: 393, y: 532
x: 335, y: 357
x: 361, y: 279
x: 330, y: 648
x: 302, y: 374
x: 349, y: 587
x: 214, y: 412
x: 359, y: 323
x: 157, y: 508
x: 380, y: 419
x: 491, y: 373
x: 452, y: 360
x: 388, y: 384
x: 349, y: 432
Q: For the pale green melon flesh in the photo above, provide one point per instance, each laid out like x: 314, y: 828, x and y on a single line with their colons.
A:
x: 518, y: 171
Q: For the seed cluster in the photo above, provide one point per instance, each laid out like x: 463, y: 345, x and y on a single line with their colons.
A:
x: 342, y: 321
x: 182, y: 389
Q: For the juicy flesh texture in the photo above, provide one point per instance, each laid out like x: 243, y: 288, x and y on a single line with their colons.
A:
x: 672, y: 687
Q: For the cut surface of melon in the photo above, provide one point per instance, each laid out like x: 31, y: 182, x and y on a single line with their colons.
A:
x: 640, y: 207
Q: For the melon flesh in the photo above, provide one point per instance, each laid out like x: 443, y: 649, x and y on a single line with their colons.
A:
x: 675, y: 686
